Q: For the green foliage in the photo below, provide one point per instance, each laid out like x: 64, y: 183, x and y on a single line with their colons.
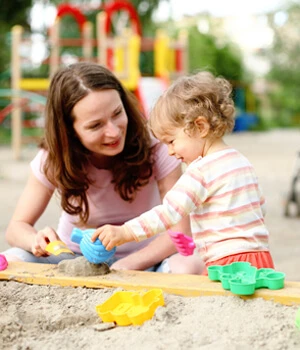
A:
x: 69, y: 29
x: 12, y: 12
x: 145, y: 9
x: 41, y: 71
x: 229, y: 63
x: 204, y: 53
x: 31, y: 135
x: 15, y: 12
x: 147, y: 63
x: 5, y: 135
x: 284, y: 75
x: 5, y: 52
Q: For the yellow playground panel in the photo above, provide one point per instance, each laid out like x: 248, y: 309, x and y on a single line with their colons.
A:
x: 34, y: 84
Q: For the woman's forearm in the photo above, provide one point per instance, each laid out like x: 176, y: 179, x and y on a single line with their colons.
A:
x: 21, y: 235
x: 31, y: 205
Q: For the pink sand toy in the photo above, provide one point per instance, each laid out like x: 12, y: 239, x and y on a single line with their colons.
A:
x: 183, y: 243
x: 3, y: 262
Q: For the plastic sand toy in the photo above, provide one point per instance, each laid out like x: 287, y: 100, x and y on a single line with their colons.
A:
x: 184, y: 244
x: 58, y: 247
x: 3, y: 262
x: 297, y: 321
x: 94, y: 252
x: 241, y: 278
x: 126, y: 308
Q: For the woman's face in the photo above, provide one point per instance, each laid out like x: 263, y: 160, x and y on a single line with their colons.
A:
x: 101, y: 122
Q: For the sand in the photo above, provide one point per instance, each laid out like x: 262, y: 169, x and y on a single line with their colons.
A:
x: 41, y: 317
x: 47, y: 317
x: 81, y: 267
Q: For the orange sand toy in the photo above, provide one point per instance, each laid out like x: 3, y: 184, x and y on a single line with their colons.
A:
x: 125, y: 308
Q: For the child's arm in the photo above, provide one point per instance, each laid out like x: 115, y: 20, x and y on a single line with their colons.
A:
x: 112, y: 236
x: 179, y: 202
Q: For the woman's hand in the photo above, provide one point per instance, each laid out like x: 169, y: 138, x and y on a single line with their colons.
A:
x: 112, y: 236
x: 41, y: 240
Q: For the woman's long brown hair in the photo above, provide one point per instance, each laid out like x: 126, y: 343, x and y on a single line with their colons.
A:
x: 66, y: 164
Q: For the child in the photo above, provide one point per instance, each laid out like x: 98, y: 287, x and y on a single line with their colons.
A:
x: 219, y: 189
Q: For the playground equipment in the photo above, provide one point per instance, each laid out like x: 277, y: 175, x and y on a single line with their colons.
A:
x: 245, y: 104
x: 119, y: 52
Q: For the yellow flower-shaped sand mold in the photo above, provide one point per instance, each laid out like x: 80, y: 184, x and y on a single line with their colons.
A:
x: 125, y: 308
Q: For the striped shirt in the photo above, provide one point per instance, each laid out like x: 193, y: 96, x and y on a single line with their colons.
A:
x: 221, y: 194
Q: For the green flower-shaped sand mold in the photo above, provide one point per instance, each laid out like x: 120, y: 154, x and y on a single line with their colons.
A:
x: 242, y: 278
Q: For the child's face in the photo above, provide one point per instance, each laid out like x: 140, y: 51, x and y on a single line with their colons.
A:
x: 186, y: 146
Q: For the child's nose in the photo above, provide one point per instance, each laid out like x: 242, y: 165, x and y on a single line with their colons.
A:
x: 170, y: 150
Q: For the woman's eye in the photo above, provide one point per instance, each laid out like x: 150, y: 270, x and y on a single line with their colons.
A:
x: 118, y: 112
x: 95, y: 126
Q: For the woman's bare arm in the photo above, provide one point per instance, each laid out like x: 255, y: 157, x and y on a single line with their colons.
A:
x: 31, y: 205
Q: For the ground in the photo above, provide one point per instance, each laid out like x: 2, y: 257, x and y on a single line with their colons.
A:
x: 48, y: 317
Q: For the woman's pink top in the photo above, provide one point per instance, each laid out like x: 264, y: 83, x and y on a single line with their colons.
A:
x: 105, y: 205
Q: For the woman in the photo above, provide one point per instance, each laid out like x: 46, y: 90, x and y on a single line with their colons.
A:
x: 98, y: 155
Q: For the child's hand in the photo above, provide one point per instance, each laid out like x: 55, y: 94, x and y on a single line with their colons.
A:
x: 184, y: 244
x: 112, y: 236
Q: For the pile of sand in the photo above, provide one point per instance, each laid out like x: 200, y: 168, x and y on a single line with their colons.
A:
x: 44, y: 317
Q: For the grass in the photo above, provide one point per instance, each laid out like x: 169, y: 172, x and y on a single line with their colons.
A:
x: 29, y: 135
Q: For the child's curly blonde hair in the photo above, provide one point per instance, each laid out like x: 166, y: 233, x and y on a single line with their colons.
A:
x: 189, y: 97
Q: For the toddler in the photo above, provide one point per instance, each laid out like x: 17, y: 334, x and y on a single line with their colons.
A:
x: 218, y: 190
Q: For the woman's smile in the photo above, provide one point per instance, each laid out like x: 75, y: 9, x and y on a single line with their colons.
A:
x: 113, y: 144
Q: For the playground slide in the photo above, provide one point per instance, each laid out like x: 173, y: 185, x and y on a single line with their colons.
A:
x: 150, y: 88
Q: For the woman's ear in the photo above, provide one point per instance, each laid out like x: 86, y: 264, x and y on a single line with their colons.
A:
x: 202, y: 126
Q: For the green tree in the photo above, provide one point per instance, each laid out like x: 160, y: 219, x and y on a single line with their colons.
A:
x: 145, y: 10
x: 12, y: 12
x: 15, y: 12
x: 204, y: 53
x: 284, y: 74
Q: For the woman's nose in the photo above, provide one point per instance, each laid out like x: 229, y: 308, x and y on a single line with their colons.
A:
x: 111, y: 129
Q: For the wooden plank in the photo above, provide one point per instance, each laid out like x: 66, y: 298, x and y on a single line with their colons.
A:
x: 179, y: 284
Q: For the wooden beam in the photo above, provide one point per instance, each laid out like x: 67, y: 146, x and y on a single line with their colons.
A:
x: 179, y: 284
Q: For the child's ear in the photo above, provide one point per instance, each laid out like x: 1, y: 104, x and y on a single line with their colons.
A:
x: 202, y: 126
